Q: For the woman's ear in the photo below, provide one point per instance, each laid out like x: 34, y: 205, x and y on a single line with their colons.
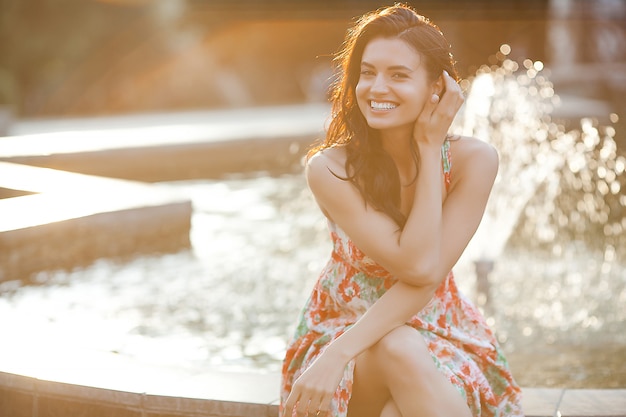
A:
x: 439, y: 86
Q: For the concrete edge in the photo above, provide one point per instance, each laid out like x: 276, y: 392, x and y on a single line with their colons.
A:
x: 538, y: 402
x: 60, y: 224
x: 37, y: 389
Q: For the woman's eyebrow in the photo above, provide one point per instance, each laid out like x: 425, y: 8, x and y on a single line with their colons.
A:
x: 391, y: 68
x: 400, y: 68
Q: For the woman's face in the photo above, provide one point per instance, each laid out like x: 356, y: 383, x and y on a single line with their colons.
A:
x: 393, y: 86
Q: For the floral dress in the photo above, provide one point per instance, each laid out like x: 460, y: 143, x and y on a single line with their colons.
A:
x: 461, y: 343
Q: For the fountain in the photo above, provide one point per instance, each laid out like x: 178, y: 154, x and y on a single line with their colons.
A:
x: 554, y: 226
x: 553, y: 185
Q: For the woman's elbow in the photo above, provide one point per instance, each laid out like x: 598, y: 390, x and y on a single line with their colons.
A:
x: 422, y: 274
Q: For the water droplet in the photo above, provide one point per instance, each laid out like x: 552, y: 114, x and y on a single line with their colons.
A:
x: 610, y: 131
x: 510, y: 65
x: 615, y: 187
x: 620, y: 165
x: 610, y: 174
x: 547, y: 92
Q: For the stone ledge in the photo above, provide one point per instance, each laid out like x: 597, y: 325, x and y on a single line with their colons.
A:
x: 555, y: 402
x: 589, y: 402
x: 186, y: 145
x: 20, y: 394
x: 68, y: 219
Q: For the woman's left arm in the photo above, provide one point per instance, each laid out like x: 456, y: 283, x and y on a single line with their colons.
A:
x: 475, y: 168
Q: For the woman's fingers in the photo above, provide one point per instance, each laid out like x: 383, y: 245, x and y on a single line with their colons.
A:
x: 453, y: 97
x: 449, y: 103
x: 450, y: 100
x: 313, y: 391
x: 325, y: 405
x: 292, y: 401
x: 302, y: 407
x: 307, y: 402
x: 438, y: 113
x: 322, y: 405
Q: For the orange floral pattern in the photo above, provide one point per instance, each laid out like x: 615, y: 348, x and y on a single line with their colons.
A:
x: 461, y: 343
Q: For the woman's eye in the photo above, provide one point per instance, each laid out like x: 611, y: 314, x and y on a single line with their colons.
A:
x: 367, y: 72
x: 398, y: 75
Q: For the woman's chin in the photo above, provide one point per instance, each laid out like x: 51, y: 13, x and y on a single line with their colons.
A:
x: 381, y: 124
x: 384, y: 125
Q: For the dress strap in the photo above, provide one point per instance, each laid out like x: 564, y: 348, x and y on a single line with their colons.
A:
x: 446, y: 162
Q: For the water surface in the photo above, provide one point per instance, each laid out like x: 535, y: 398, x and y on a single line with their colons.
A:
x: 258, y: 243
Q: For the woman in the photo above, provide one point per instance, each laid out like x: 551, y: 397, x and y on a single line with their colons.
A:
x: 385, y: 331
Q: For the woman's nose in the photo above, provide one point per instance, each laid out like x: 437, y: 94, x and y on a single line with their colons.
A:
x: 380, y: 84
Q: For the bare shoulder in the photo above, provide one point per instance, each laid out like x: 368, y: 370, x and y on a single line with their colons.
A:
x: 473, y: 148
x: 471, y: 154
x: 330, y: 160
x: 326, y: 177
x: 474, y: 158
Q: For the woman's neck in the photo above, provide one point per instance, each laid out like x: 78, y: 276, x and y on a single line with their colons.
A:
x: 397, y: 144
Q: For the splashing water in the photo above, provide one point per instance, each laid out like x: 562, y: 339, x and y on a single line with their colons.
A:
x: 553, y: 185
x: 554, y: 227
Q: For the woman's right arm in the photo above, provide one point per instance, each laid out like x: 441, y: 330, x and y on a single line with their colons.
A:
x: 403, y: 252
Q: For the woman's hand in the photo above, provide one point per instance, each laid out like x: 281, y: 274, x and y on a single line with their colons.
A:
x: 435, y: 119
x: 313, y: 391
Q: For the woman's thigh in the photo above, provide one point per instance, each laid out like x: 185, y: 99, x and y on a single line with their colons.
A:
x: 369, y: 390
x: 376, y: 367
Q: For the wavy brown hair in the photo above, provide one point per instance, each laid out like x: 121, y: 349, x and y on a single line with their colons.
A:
x: 368, y: 166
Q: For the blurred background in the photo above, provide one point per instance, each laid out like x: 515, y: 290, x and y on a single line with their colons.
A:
x: 72, y: 57
x: 552, y: 74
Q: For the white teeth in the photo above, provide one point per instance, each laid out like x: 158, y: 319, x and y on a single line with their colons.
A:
x: 382, y: 105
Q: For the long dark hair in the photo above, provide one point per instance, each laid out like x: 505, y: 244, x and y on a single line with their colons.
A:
x: 368, y: 166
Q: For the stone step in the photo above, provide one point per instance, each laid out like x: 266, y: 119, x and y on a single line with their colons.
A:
x: 172, y: 146
x: 26, y: 396
x: 56, y: 219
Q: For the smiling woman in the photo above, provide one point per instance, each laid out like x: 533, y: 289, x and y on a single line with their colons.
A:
x: 385, y: 331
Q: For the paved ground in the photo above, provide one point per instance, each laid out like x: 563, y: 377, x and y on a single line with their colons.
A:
x: 244, y: 395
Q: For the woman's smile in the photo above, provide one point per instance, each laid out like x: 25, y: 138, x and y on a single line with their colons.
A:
x: 382, y: 105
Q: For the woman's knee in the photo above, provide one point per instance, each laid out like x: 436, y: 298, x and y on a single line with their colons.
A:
x: 403, y: 344
x: 400, y: 357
